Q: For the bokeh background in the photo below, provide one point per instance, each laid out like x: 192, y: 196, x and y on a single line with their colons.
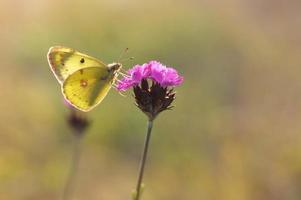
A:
x: 235, y: 131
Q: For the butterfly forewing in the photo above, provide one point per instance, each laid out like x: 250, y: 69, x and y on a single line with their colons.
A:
x: 65, y: 61
x: 87, y: 87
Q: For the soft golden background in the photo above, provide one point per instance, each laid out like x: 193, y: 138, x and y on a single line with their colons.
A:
x: 235, y: 133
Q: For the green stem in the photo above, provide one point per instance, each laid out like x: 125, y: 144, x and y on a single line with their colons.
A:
x: 69, y: 185
x: 143, y: 159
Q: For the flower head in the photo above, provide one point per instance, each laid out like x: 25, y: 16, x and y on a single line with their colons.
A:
x: 153, y: 86
x: 154, y: 70
x: 77, y: 120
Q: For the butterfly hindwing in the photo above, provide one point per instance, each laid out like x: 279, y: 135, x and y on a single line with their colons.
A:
x: 87, y: 87
x: 65, y: 61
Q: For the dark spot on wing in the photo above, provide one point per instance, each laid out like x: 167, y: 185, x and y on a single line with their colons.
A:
x: 82, y: 60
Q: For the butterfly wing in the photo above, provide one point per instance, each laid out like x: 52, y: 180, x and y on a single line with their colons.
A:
x: 87, y: 87
x: 65, y: 61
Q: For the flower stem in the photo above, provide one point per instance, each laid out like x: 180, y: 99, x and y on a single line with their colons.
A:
x: 69, y: 185
x: 143, y: 159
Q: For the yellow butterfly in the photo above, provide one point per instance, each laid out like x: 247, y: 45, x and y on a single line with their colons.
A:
x: 84, y: 80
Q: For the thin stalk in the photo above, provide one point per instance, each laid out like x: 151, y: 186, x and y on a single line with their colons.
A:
x: 70, y: 182
x: 143, y: 159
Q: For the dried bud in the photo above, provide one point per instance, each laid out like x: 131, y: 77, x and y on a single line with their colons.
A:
x: 78, y: 122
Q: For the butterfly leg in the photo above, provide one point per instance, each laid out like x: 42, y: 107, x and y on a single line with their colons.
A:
x: 124, y: 75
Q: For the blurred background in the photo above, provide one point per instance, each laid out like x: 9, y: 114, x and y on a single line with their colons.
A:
x: 234, y: 133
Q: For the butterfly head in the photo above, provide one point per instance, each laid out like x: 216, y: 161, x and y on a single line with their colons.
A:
x: 114, y: 67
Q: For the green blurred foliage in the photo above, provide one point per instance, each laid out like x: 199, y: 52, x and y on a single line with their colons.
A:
x: 234, y: 133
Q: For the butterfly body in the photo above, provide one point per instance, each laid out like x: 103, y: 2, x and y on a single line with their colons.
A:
x: 84, y: 80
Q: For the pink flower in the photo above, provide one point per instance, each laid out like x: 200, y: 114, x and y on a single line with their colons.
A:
x: 171, y: 78
x: 125, y: 84
x: 154, y: 70
x: 136, y: 73
x: 157, y: 71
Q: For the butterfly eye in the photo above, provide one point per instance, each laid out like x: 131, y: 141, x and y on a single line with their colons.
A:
x: 82, y: 60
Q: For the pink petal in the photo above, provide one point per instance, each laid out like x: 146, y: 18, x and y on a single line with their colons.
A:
x: 165, y: 76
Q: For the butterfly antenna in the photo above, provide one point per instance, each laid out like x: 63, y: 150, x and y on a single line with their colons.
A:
x: 122, y: 71
x: 122, y: 53
x: 130, y: 58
